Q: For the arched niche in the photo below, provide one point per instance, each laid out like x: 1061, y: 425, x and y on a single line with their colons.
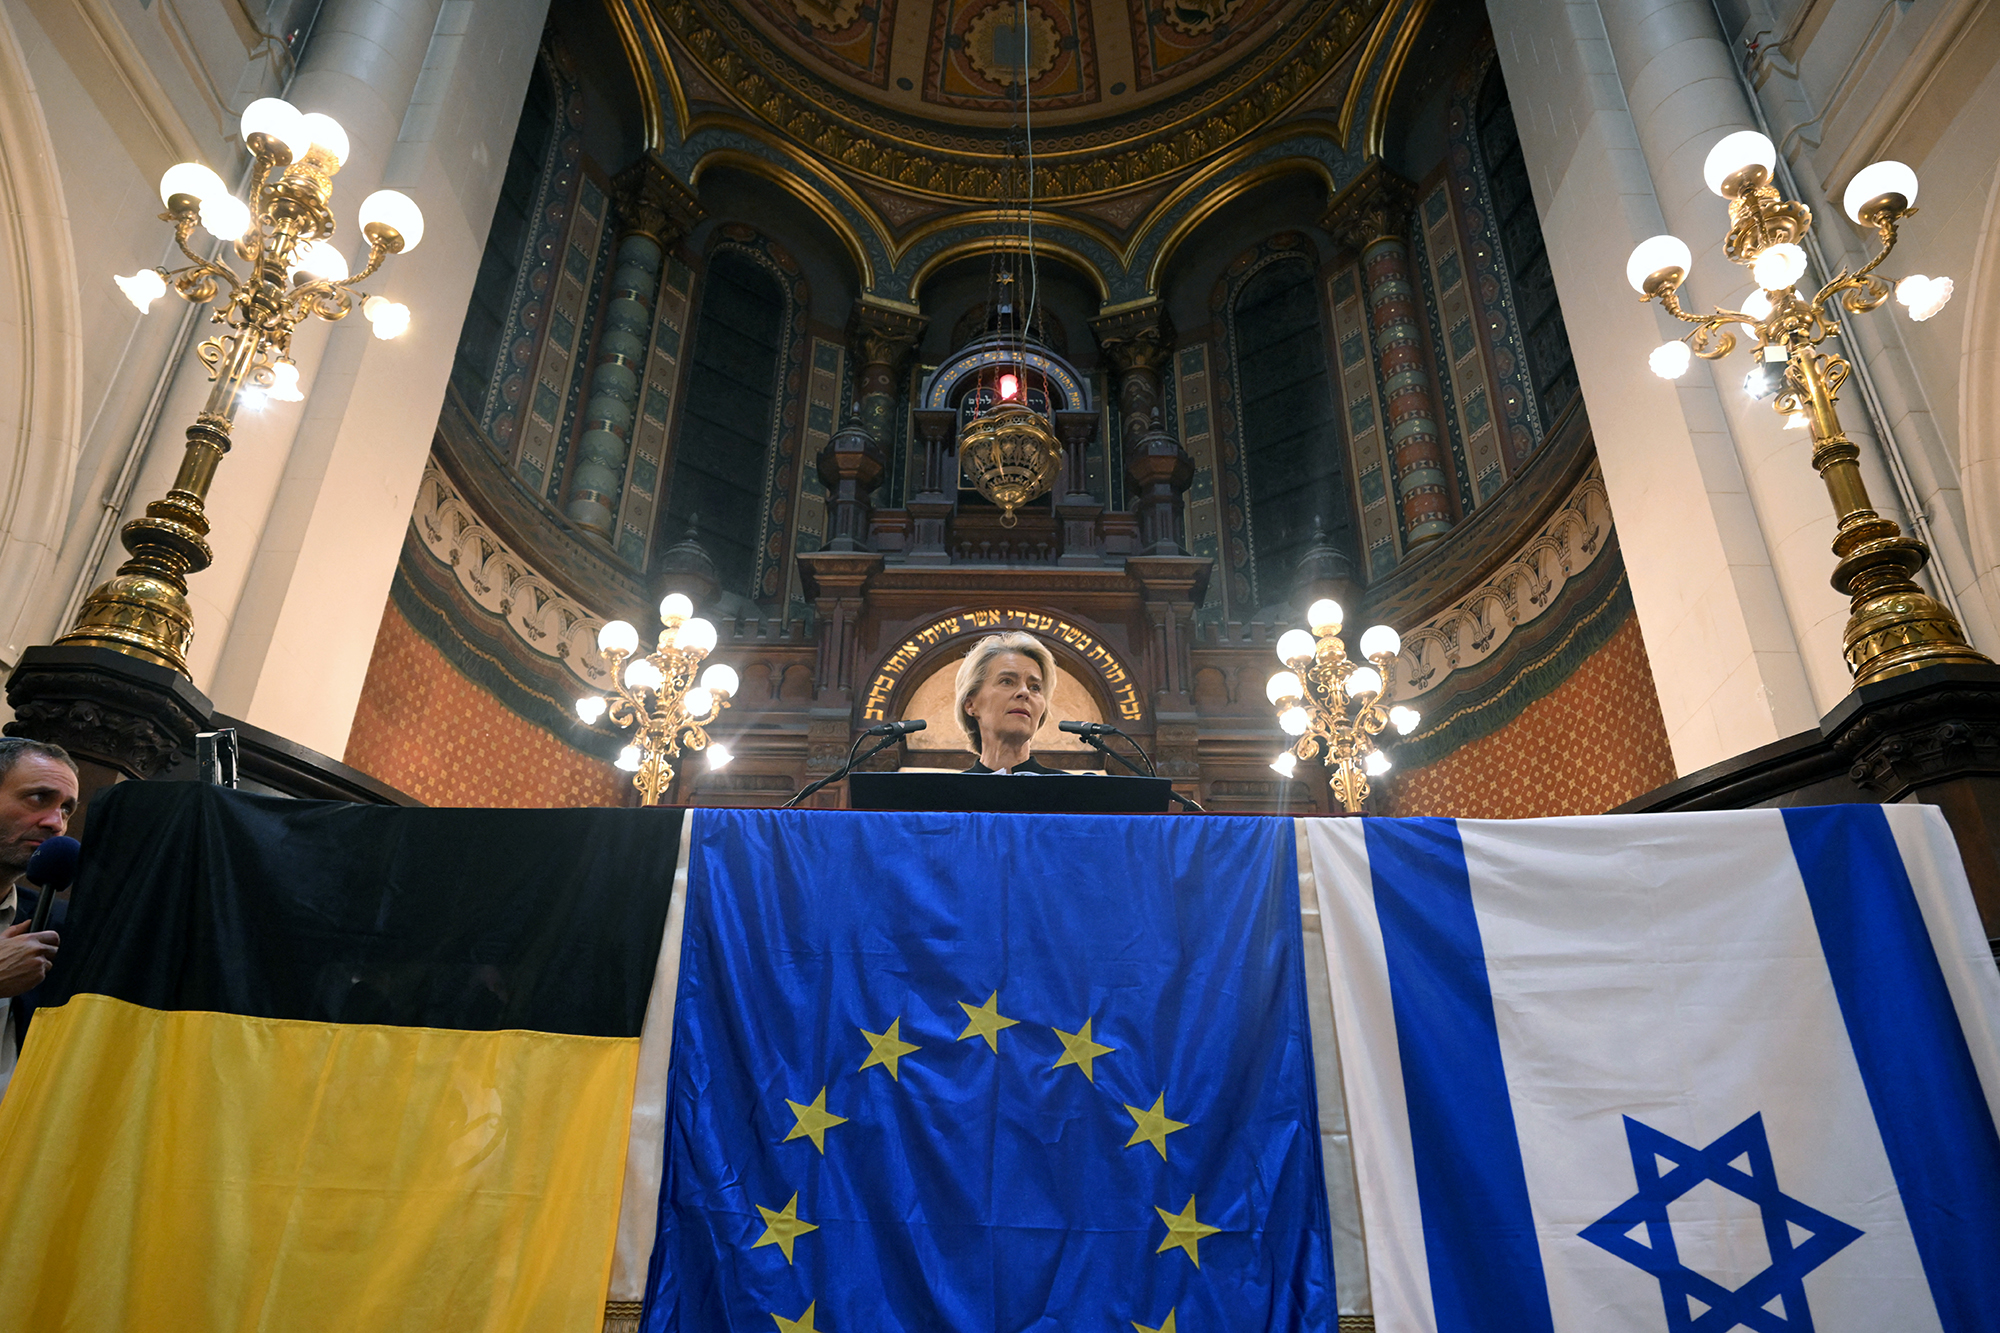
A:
x: 915, y: 677
x: 932, y: 699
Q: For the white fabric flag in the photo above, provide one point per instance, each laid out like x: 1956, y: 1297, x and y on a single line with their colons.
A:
x: 1674, y: 1072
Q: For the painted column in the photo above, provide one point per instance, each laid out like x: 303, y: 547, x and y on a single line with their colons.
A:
x: 1139, y: 343
x: 1370, y: 216
x: 611, y: 405
x: 881, y: 337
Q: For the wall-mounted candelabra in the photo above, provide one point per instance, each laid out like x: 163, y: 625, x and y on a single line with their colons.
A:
x: 292, y: 270
x: 1336, y: 706
x: 657, y: 697
x: 1893, y: 625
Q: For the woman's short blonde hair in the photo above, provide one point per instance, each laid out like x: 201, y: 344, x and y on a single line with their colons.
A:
x: 978, y: 664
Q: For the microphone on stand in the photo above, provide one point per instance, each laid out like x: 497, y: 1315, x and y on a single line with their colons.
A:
x: 888, y: 733
x: 1095, y: 732
x: 51, y: 869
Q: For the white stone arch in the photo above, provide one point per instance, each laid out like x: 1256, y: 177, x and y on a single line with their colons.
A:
x: 41, y: 348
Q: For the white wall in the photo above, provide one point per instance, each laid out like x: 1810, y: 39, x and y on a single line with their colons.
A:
x: 1724, y: 526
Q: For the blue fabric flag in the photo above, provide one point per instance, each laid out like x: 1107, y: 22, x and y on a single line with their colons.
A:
x: 991, y: 1072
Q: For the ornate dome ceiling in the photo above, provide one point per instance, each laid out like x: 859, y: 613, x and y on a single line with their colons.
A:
x: 921, y: 96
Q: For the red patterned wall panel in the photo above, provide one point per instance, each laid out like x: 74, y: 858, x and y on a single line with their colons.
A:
x: 424, y: 728
x: 1594, y: 742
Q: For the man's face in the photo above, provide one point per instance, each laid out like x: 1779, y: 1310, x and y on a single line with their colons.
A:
x: 37, y: 797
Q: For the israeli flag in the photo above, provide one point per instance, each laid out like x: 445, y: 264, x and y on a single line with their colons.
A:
x: 1675, y: 1072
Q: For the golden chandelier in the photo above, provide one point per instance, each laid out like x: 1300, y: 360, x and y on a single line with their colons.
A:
x: 283, y: 235
x: 656, y: 695
x: 1893, y: 625
x: 1335, y: 705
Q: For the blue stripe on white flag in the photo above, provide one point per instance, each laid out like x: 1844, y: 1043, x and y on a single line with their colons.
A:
x: 1912, y: 1052
x: 1479, y: 1231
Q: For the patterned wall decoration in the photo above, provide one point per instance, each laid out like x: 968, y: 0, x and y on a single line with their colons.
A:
x: 781, y: 457
x: 658, y: 408
x: 1466, y: 376
x: 823, y: 386
x: 1364, y: 414
x: 1519, y: 416
x: 1477, y: 626
x: 1180, y: 36
x: 427, y: 728
x: 852, y: 36
x: 556, y: 185
x: 1197, y: 431
x: 1590, y: 744
x: 973, y: 58
x: 569, y: 272
x: 1433, y: 196
x: 540, y: 616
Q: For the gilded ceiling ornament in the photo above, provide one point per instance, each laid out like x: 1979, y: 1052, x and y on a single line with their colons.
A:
x: 1195, y: 17
x: 947, y: 162
x: 993, y: 43
x: 830, y: 15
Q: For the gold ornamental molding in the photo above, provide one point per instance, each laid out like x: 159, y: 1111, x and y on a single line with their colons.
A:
x: 542, y: 616
x: 1118, y: 682
x: 1526, y: 587
x: 1076, y: 166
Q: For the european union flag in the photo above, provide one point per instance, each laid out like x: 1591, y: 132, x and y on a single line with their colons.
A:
x: 991, y: 1072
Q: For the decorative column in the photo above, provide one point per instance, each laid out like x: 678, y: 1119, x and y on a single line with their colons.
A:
x: 1138, y: 343
x: 611, y: 405
x: 930, y: 508
x: 1160, y: 471
x: 881, y: 337
x: 850, y: 467
x: 1079, y: 510
x: 1369, y: 216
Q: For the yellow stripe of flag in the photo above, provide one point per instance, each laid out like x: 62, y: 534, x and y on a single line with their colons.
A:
x: 205, y: 1171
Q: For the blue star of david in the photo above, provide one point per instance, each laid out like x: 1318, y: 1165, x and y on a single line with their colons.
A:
x: 1758, y: 1303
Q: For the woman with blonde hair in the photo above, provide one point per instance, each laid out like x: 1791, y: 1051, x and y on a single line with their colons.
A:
x: 1002, y: 699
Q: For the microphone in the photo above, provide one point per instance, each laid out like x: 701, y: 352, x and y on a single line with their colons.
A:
x: 886, y: 735
x: 51, y: 868
x: 1095, y: 732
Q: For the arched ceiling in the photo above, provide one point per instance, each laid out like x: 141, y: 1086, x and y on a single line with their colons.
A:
x: 916, y: 95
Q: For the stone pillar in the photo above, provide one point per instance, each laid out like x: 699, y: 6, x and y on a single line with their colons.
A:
x: 1137, y: 343
x: 1593, y: 110
x: 1370, y: 216
x: 850, y: 466
x: 1160, y: 471
x: 652, y: 219
x: 930, y: 508
x: 881, y: 337
x: 1082, y: 539
x: 836, y: 580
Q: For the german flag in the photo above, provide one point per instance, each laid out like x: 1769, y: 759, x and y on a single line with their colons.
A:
x: 319, y: 1066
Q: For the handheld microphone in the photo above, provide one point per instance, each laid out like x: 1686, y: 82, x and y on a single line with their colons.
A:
x: 903, y: 728
x: 1088, y: 729
x: 51, y: 868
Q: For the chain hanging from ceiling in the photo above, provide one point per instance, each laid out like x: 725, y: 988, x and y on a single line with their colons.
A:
x: 1007, y: 444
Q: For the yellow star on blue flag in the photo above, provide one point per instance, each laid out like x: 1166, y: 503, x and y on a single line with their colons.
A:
x: 959, y: 946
